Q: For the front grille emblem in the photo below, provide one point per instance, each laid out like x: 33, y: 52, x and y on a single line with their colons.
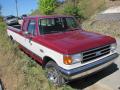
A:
x: 98, y: 53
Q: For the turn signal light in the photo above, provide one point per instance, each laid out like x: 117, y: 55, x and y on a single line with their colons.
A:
x: 67, y: 60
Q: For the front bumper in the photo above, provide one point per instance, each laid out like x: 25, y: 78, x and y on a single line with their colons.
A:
x: 89, y: 68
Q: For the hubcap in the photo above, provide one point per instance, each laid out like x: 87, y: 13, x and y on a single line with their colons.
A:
x: 52, y: 75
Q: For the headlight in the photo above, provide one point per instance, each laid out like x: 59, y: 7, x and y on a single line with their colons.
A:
x: 113, y: 47
x: 72, y: 59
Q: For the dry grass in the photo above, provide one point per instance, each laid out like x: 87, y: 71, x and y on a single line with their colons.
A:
x: 90, y: 7
x: 110, y: 3
x: 104, y: 27
x: 111, y: 28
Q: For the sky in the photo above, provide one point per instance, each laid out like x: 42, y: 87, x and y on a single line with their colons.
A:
x: 24, y: 7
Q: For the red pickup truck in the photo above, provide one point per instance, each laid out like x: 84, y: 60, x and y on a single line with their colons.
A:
x: 65, y: 51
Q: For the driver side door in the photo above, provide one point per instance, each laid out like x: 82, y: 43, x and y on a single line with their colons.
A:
x: 30, y: 33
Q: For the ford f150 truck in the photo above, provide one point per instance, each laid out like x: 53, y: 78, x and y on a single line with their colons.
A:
x: 65, y: 51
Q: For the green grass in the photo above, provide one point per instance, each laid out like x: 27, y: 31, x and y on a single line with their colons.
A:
x: 18, y: 71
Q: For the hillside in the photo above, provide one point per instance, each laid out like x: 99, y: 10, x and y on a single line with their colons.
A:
x: 86, y: 8
x: 104, y: 26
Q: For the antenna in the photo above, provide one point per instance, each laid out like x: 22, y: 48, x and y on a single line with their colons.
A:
x: 16, y: 2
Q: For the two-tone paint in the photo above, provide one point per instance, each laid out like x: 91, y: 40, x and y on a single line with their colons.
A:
x: 57, y: 45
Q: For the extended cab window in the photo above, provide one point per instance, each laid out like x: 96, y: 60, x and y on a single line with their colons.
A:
x: 55, y: 25
x: 31, y: 27
x: 25, y: 23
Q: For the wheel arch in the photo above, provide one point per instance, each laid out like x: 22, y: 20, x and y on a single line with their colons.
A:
x: 46, y: 59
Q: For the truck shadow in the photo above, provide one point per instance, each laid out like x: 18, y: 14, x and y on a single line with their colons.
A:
x: 92, y: 79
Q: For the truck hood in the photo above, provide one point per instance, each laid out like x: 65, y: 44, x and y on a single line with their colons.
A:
x: 73, y: 42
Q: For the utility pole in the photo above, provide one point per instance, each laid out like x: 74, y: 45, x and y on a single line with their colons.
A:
x: 16, y: 2
x: 0, y: 10
x: 74, y: 3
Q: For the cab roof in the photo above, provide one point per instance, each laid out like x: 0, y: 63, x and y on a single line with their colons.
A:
x: 47, y: 16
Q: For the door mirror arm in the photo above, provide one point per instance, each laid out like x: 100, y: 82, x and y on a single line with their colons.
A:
x: 26, y: 33
x: 30, y: 39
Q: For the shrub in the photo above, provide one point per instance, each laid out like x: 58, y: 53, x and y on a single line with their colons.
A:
x: 74, y: 11
x: 47, y: 6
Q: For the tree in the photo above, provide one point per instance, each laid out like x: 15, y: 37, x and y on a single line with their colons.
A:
x: 47, y: 6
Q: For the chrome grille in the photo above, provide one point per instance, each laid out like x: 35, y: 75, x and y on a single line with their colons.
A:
x: 95, y: 53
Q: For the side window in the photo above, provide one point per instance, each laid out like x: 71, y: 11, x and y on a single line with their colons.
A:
x: 32, y: 27
x: 71, y: 22
x: 47, y: 22
x: 24, y: 25
x: 43, y: 22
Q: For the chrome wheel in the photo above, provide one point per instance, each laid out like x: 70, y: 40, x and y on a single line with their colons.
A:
x: 52, y: 75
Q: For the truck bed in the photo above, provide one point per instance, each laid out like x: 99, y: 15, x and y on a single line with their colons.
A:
x: 15, y: 27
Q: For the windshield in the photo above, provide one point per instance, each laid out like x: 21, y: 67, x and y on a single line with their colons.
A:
x: 55, y: 25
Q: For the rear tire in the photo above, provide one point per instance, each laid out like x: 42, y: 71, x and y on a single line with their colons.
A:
x: 12, y: 40
x: 53, y: 74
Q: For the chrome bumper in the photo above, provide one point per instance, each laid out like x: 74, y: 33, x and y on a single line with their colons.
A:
x: 89, y: 68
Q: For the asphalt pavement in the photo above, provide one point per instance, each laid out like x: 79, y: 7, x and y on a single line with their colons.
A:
x: 113, y: 80
x: 110, y: 14
x: 108, y: 17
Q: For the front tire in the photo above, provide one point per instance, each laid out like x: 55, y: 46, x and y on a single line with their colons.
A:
x: 12, y: 40
x: 53, y: 74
